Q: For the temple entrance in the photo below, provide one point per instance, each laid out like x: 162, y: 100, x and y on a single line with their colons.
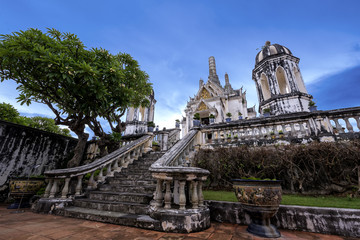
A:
x: 205, y: 121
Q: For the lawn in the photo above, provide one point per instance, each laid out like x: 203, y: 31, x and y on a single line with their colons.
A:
x: 323, y: 201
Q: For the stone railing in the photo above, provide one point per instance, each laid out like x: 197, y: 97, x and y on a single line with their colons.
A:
x: 167, y: 138
x: 325, y: 125
x: 112, y: 162
x: 178, y: 200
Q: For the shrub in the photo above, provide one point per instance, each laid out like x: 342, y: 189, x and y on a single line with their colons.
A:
x: 317, y: 168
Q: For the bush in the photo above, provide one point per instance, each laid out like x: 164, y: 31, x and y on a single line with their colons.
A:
x: 317, y: 168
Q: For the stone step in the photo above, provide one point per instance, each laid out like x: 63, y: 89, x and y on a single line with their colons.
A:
x: 133, y: 220
x: 128, y: 188
x: 121, y: 197
x: 126, y: 207
x: 126, y: 181
x: 145, y: 176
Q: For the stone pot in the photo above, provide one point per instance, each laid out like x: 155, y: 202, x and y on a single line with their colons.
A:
x: 150, y: 129
x: 313, y: 108
x: 260, y: 199
x: 24, y: 188
x: 228, y: 119
x: 196, y: 123
x: 212, y: 120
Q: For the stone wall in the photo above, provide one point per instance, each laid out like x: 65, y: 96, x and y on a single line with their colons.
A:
x: 335, y: 221
x: 22, y: 148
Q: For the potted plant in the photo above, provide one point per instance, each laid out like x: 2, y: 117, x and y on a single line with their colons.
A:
x: 260, y: 199
x: 266, y: 112
x: 211, y: 118
x: 281, y: 134
x: 196, y: 121
x: 272, y: 134
x: 177, y: 123
x: 228, y: 119
x: 151, y: 126
x: 155, y: 146
x: 240, y: 115
x: 229, y: 138
x: 312, y: 106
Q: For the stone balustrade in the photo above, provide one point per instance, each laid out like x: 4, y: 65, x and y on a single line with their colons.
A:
x: 167, y: 138
x: 287, y: 126
x: 59, y: 181
x: 178, y: 200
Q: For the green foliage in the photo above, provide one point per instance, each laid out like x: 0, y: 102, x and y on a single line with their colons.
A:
x: 79, y: 85
x: 197, y: 116
x: 311, y: 104
x: 116, y: 137
x: 177, y: 120
x: 151, y: 124
x: 266, y: 110
x: 155, y: 143
x: 211, y: 116
x: 316, y: 168
x: 239, y: 113
x: 290, y: 199
x: 229, y: 115
x: 8, y: 113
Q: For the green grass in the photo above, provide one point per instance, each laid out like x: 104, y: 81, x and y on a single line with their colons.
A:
x: 323, y: 201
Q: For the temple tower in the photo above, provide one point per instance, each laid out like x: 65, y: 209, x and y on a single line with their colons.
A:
x: 278, y: 80
x: 212, y: 71
x: 137, y: 118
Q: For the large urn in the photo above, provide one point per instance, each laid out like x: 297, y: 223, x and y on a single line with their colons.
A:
x: 260, y: 199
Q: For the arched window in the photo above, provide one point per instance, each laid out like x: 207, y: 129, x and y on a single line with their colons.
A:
x: 299, y: 81
x: 281, y: 78
x: 265, y: 86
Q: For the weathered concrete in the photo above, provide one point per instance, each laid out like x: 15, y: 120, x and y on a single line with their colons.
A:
x: 336, y: 221
x: 21, y: 148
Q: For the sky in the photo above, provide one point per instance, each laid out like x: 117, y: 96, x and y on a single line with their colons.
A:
x: 172, y: 41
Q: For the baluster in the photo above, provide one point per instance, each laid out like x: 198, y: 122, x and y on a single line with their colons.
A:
x: 338, y: 126
x: 200, y: 194
x: 91, y: 182
x: 100, y: 177
x: 115, y: 166
x: 194, y: 197
x: 48, y: 188
x: 108, y: 170
x: 182, y: 197
x: 54, y: 188
x: 348, y: 125
x: 167, y: 197
x: 79, y: 186
x: 293, y: 132
x: 302, y: 130
x: 357, y: 119
x: 158, y: 197
x: 65, y: 190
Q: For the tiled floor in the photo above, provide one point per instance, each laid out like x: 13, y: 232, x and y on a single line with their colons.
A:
x: 28, y: 225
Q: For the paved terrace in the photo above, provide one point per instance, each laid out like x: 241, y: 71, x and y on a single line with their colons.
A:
x: 28, y: 225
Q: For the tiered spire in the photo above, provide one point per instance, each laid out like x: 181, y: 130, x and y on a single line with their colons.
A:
x: 213, y: 77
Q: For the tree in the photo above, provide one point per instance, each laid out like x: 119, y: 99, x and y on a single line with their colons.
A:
x: 10, y: 114
x: 77, y: 84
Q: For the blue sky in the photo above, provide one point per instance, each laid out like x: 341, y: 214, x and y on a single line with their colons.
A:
x: 172, y: 41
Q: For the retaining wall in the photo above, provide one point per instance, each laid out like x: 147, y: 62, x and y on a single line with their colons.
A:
x: 21, y: 148
x: 335, y: 221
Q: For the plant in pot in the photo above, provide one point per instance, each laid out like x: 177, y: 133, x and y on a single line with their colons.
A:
x: 151, y: 126
x: 240, y: 115
x: 211, y: 118
x: 266, y: 112
x: 228, y: 119
x: 155, y: 146
x: 260, y: 199
x: 177, y: 123
x: 312, y: 106
x: 281, y: 134
x: 272, y: 134
x: 196, y: 121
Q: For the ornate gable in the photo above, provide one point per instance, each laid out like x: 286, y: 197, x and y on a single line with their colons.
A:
x: 202, y: 106
x: 204, y: 94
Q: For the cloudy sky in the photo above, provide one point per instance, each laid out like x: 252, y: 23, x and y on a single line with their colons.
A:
x: 172, y: 41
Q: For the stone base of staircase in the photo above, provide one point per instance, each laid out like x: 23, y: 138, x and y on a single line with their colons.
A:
x: 125, y: 199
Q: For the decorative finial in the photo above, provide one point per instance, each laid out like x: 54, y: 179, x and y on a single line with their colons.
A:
x: 267, y: 43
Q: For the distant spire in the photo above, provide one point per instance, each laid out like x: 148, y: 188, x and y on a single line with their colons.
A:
x: 227, y: 86
x: 267, y: 43
x: 212, y: 71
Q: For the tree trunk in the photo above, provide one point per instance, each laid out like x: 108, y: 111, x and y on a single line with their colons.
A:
x: 79, y: 149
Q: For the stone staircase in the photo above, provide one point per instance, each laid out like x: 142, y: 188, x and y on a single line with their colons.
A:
x: 123, y: 199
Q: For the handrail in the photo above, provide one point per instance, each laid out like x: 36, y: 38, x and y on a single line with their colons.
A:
x: 173, y: 169
x: 101, y: 162
x: 113, y: 162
